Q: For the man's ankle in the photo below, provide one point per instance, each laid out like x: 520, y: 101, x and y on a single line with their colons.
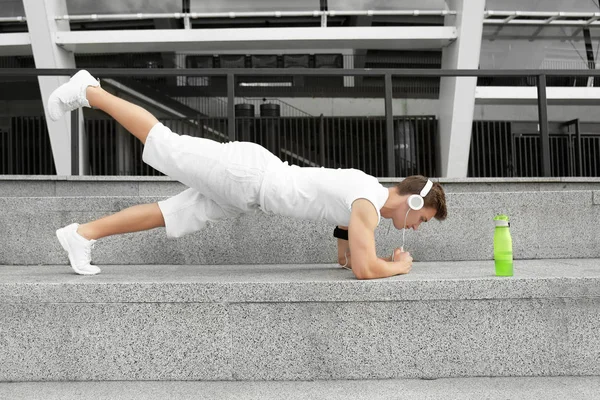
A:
x: 84, y: 232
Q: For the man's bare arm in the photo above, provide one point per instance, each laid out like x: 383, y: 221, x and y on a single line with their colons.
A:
x: 343, y: 252
x: 361, y: 235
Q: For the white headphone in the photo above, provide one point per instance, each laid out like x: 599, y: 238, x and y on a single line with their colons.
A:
x: 417, y: 201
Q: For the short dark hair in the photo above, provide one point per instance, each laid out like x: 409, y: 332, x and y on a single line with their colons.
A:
x: 436, y: 198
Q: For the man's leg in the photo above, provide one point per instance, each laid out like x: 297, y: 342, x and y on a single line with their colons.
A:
x: 182, y: 214
x: 134, y: 118
x: 137, y: 218
x: 83, y: 90
x: 78, y: 240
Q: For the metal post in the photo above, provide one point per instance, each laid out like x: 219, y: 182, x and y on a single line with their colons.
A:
x: 578, y: 161
x: 513, y: 146
x: 389, y: 127
x: 8, y: 153
x: 589, y: 50
x: 322, y: 139
x: 543, y: 121
x: 231, y: 106
x: 75, y: 142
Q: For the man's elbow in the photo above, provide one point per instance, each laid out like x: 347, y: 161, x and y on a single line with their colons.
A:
x: 362, y: 276
x: 369, y: 270
x: 362, y: 272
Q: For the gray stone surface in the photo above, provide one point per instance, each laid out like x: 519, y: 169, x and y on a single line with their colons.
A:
x: 299, y: 322
x: 30, y: 188
x: 522, y: 388
x: 165, y: 188
x: 117, y: 341
x: 12, y: 178
x: 459, y: 280
x: 503, y: 180
x: 40, y: 186
x: 468, y: 185
x: 50, y: 186
x: 564, y: 224
x: 96, y: 188
x: 518, y: 186
x: 543, y: 225
x: 425, y: 339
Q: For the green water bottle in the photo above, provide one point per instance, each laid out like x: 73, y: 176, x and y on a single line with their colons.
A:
x: 503, y: 255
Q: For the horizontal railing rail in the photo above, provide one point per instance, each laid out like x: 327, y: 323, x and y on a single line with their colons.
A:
x: 166, y: 72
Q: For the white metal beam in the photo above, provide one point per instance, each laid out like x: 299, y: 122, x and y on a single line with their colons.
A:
x: 456, y: 93
x: 528, y: 95
x: 15, y: 44
x: 118, y: 41
x: 46, y: 54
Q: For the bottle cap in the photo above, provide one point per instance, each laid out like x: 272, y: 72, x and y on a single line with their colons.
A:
x: 501, y: 220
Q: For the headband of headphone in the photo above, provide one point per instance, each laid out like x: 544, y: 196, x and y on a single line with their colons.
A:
x: 427, y: 188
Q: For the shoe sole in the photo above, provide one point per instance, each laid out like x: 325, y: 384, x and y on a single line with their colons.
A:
x: 54, y: 98
x: 65, y: 245
x: 51, y: 103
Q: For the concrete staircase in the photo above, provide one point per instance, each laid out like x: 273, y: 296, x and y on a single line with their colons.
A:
x: 261, y: 299
x: 299, y: 322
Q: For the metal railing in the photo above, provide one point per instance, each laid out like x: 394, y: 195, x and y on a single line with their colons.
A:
x: 543, y: 18
x: 25, y: 147
x: 187, y: 17
x: 497, y: 151
x: 490, y: 17
x: 332, y: 142
x: 390, y: 161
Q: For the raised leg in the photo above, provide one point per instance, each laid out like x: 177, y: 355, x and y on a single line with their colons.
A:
x: 134, y: 118
x: 83, y: 90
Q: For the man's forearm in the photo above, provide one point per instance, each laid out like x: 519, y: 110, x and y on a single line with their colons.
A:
x: 342, y: 260
x: 384, y: 269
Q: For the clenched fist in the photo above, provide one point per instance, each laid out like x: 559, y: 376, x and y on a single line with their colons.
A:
x: 404, y: 258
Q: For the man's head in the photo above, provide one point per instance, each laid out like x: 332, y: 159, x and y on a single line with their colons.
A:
x: 435, y: 203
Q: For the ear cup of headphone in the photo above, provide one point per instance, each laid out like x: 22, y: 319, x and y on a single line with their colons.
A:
x: 415, y: 202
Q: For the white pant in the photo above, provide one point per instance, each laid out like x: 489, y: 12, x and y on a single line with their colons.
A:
x: 224, y: 179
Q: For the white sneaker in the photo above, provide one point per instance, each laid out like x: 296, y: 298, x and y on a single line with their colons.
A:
x: 71, y: 95
x: 79, y: 249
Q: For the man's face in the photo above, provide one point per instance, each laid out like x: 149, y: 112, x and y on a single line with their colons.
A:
x: 414, y: 219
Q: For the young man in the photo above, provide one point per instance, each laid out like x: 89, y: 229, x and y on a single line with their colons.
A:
x: 228, y: 179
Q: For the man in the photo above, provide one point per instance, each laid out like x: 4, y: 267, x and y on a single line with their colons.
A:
x: 228, y: 179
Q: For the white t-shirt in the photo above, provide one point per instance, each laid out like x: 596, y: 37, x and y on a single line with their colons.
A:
x: 318, y: 193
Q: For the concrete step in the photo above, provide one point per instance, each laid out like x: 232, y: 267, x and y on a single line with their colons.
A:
x: 68, y: 186
x: 521, y: 388
x: 544, y: 224
x: 299, y: 322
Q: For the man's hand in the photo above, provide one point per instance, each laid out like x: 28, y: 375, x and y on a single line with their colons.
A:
x: 404, y: 259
